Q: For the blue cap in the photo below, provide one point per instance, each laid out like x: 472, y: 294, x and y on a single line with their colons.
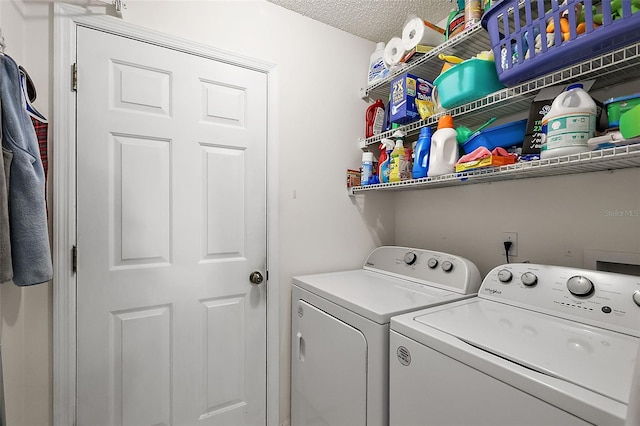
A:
x: 575, y: 86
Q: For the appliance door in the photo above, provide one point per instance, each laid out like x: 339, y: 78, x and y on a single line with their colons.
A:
x: 328, y: 370
x: 428, y: 387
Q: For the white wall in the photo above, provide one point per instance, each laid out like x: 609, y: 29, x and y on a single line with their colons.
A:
x: 26, y: 312
x: 320, y: 115
x: 556, y: 218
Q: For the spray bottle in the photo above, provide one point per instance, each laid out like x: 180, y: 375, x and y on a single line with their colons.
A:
x: 444, y: 148
x: 421, y: 161
x: 405, y: 172
x: 397, y: 158
x: 383, y: 162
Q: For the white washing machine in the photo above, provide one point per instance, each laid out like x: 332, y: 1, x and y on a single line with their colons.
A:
x: 340, y: 330
x: 540, y: 345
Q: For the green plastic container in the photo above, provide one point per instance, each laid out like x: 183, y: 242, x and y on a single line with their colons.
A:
x: 469, y: 80
x: 618, y: 106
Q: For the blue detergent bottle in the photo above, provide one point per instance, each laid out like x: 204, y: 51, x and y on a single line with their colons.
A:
x: 421, y: 162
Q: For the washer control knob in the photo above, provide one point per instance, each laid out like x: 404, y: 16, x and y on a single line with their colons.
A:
x: 504, y: 276
x: 432, y: 263
x: 529, y: 279
x: 580, y: 286
x: 410, y: 258
x: 636, y: 297
x: 447, y: 266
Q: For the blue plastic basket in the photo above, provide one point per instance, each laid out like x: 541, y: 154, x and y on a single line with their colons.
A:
x: 504, y: 136
x: 513, y: 26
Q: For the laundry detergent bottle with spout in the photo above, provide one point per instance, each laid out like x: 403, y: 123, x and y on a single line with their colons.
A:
x: 444, y: 148
x: 374, y: 118
x: 569, y: 124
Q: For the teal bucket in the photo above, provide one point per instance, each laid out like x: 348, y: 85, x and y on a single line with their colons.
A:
x: 469, y: 80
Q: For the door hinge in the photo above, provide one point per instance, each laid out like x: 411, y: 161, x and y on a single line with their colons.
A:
x: 75, y: 77
x: 74, y: 261
x: 267, y: 275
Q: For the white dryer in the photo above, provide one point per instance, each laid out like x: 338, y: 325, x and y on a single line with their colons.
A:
x: 340, y: 330
x: 540, y: 345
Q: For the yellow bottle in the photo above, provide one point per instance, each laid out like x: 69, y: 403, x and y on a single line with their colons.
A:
x: 397, y: 161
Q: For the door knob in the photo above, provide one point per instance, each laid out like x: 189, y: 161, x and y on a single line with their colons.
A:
x: 256, y: 278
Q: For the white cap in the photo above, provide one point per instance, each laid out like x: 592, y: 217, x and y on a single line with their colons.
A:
x: 367, y: 157
x: 380, y: 45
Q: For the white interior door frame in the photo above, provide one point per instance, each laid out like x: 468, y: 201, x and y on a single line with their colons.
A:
x: 66, y: 20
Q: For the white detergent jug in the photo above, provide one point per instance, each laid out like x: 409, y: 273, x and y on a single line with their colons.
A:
x: 569, y: 124
x: 444, y: 148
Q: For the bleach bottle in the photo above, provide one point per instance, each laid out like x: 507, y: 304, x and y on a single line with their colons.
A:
x: 569, y: 124
x: 377, y: 68
x: 421, y: 160
x: 443, y: 155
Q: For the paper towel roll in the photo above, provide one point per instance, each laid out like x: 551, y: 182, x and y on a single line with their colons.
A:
x: 393, y: 52
x: 415, y: 32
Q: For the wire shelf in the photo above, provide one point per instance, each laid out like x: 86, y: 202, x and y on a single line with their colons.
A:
x: 464, y: 45
x: 620, y: 157
x: 609, y: 69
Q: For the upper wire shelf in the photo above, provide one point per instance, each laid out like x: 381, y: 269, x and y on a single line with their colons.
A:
x: 608, y: 69
x: 464, y: 45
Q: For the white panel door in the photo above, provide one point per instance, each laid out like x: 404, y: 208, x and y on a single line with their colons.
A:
x: 171, y: 158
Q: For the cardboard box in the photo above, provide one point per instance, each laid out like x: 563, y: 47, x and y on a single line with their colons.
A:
x: 404, y: 91
x: 533, y: 136
x: 353, y: 178
x: 417, y: 52
x: 491, y: 161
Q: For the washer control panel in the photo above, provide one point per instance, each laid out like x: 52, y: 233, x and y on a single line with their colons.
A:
x: 437, y: 269
x: 602, y: 299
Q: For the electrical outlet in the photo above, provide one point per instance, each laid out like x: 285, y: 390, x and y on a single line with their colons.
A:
x: 513, y: 237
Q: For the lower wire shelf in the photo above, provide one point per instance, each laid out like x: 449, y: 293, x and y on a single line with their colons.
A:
x: 619, y: 157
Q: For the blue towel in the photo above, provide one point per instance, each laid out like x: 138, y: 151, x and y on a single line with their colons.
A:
x: 6, y: 270
x: 30, y: 252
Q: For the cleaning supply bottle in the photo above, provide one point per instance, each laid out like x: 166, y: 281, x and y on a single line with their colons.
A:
x: 377, y: 68
x: 397, y: 158
x: 405, y: 172
x: 421, y: 154
x: 374, y: 118
x: 366, y: 178
x: 383, y: 162
x: 444, y: 148
x: 569, y: 124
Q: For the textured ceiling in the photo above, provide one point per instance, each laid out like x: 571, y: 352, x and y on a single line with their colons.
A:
x: 375, y: 20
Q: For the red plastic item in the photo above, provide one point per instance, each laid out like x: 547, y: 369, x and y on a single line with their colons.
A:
x: 374, y: 118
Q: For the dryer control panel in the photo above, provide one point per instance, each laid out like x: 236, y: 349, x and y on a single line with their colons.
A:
x: 437, y: 269
x: 602, y: 299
